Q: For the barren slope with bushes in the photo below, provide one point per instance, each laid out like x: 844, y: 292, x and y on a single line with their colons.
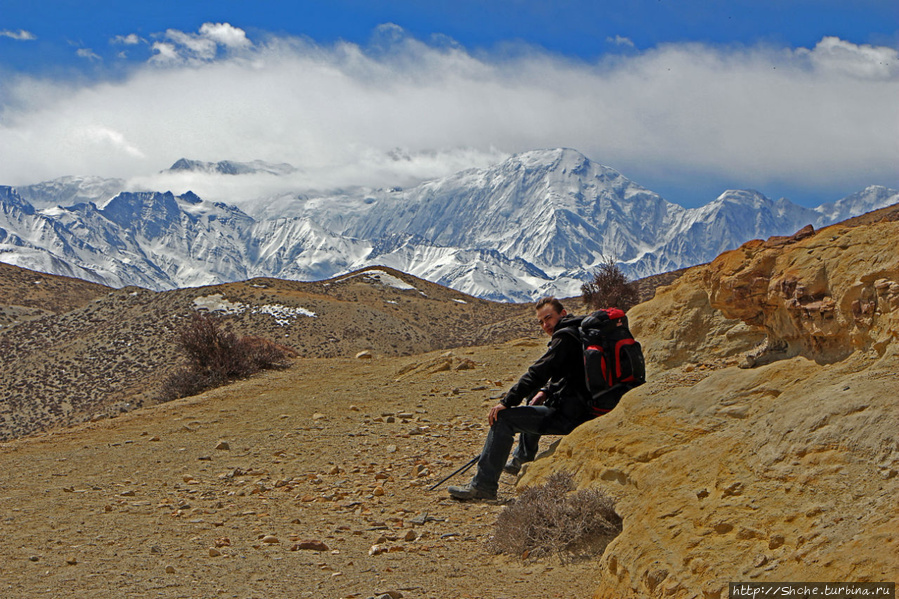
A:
x: 114, y: 351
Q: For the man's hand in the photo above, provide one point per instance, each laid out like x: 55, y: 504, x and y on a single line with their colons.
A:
x: 491, y: 417
x: 538, y: 399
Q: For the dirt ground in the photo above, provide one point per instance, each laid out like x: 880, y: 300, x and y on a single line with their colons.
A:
x: 220, y: 495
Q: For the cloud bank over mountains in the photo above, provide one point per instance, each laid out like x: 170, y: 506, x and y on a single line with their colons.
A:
x: 400, y: 110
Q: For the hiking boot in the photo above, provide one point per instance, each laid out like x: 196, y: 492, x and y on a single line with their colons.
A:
x: 513, y: 466
x: 470, y: 491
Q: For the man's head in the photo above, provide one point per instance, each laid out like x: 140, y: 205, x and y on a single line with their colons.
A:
x: 549, y: 312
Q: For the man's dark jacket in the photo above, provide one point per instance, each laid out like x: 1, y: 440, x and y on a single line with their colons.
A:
x: 563, y: 364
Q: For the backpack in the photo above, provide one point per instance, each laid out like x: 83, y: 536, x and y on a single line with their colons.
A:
x: 613, y: 359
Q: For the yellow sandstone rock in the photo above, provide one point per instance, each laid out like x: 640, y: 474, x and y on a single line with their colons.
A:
x: 782, y: 472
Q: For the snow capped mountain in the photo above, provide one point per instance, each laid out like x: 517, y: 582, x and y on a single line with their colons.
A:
x: 229, y: 167
x: 871, y: 198
x: 535, y: 224
x: 67, y: 191
x: 700, y: 234
x: 555, y: 209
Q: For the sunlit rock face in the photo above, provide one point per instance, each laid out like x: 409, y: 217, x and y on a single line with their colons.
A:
x: 786, y: 469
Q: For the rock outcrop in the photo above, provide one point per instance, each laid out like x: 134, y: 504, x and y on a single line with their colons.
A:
x: 787, y: 471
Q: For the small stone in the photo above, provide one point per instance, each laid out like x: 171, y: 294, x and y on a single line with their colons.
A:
x: 223, y: 446
x: 379, y: 491
x: 170, y: 569
x: 155, y: 439
x: 34, y: 558
x: 377, y: 550
x: 72, y: 561
x: 309, y: 545
x: 270, y: 539
x: 411, y: 536
x: 318, y: 416
x: 364, y: 355
x: 213, y: 552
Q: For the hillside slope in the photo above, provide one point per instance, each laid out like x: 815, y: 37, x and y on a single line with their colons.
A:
x: 27, y: 294
x: 113, y: 353
x: 788, y: 471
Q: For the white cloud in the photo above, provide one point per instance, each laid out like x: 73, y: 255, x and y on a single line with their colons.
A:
x: 103, y: 136
x: 820, y: 118
x: 621, y: 41
x: 20, y: 35
x: 132, y: 39
x: 87, y: 53
x: 225, y: 34
x: 165, y: 53
x: 195, y: 48
x: 865, y: 62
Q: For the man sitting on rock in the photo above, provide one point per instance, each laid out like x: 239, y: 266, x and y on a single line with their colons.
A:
x: 564, y: 403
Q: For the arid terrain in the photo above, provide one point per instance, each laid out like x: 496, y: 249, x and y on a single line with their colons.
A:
x: 113, y: 349
x: 736, y: 461
x: 339, y: 452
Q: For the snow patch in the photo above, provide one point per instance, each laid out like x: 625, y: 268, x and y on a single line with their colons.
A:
x: 383, y: 278
x: 217, y: 303
x: 282, y: 314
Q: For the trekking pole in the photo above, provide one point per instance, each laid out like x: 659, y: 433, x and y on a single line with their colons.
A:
x: 459, y: 471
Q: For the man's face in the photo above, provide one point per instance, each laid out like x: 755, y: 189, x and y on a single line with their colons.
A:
x: 549, y: 318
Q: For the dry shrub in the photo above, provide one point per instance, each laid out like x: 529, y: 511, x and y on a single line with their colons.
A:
x: 554, y: 519
x: 215, y: 356
x: 610, y: 288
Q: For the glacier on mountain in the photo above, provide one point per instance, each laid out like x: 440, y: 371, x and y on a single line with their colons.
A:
x: 535, y: 224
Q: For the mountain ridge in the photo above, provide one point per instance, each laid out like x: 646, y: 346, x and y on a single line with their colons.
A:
x: 535, y: 224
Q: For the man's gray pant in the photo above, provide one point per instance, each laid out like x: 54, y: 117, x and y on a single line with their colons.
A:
x: 534, y: 420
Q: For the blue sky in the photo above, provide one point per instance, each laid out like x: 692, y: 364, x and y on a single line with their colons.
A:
x: 683, y: 97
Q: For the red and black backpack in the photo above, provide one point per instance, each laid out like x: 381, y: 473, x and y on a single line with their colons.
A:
x: 613, y: 359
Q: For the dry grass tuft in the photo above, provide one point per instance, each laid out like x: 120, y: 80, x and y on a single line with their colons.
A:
x: 554, y: 519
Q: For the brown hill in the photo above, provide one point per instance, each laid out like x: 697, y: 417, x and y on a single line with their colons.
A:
x: 111, y: 354
x: 27, y: 294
